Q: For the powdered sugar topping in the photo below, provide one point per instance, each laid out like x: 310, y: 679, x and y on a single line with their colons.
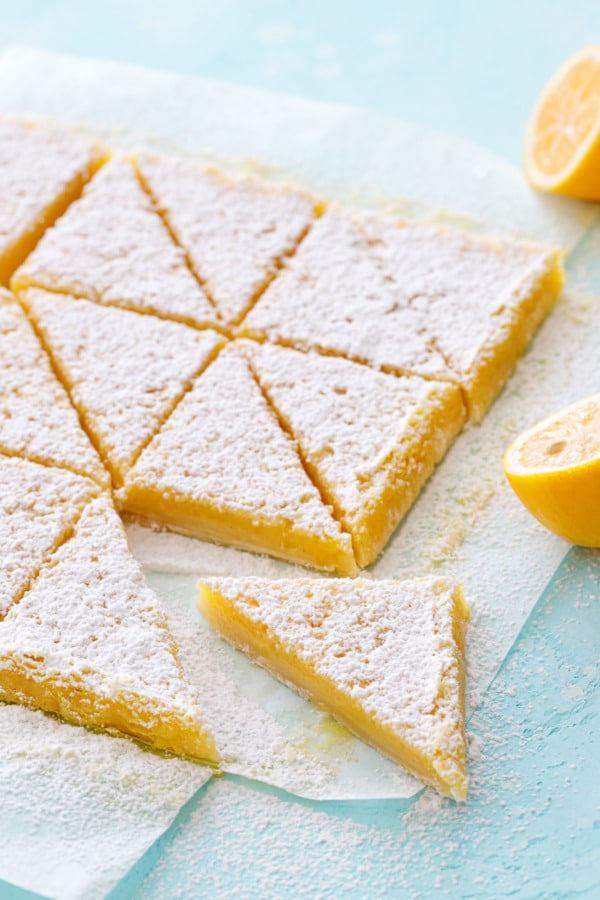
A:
x: 338, y: 294
x: 406, y: 297
x: 113, y: 633
x: 347, y: 418
x: 463, y: 285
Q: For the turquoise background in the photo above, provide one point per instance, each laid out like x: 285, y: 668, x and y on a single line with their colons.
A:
x: 470, y: 67
x: 531, y: 827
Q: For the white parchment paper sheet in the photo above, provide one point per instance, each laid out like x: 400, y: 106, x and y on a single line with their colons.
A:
x: 78, y: 809
x: 72, y: 794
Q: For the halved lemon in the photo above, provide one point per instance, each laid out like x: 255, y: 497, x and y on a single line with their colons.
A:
x: 562, y: 144
x: 554, y: 468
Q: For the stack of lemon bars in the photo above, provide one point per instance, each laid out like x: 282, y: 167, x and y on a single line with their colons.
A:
x: 242, y: 362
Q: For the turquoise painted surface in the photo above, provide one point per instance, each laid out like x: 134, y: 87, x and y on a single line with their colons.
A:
x: 469, y: 67
x: 531, y: 827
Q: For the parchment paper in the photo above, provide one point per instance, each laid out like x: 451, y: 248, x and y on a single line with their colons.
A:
x: 68, y: 808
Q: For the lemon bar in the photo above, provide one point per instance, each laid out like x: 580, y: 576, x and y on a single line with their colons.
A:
x: 42, y: 171
x: 90, y: 641
x: 112, y: 247
x: 124, y: 371
x: 369, y: 440
x: 235, y: 230
x: 413, y: 299
x: 38, y: 509
x: 37, y: 420
x: 222, y: 469
x: 385, y: 658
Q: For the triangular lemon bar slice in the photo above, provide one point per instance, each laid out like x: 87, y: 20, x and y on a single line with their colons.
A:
x: 235, y: 230
x: 124, y: 371
x: 112, y: 247
x: 90, y: 641
x: 41, y: 172
x: 222, y: 469
x: 369, y: 440
x: 38, y: 509
x: 37, y: 420
x: 385, y: 658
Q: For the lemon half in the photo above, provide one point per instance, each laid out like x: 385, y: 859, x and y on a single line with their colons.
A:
x: 562, y: 144
x: 554, y: 469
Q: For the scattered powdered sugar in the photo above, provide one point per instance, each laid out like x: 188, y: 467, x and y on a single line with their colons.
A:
x: 124, y: 371
x: 528, y: 826
x: 313, y: 848
x: 83, y: 806
x: 111, y: 246
x: 37, y: 420
x: 235, y: 230
x: 38, y: 507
